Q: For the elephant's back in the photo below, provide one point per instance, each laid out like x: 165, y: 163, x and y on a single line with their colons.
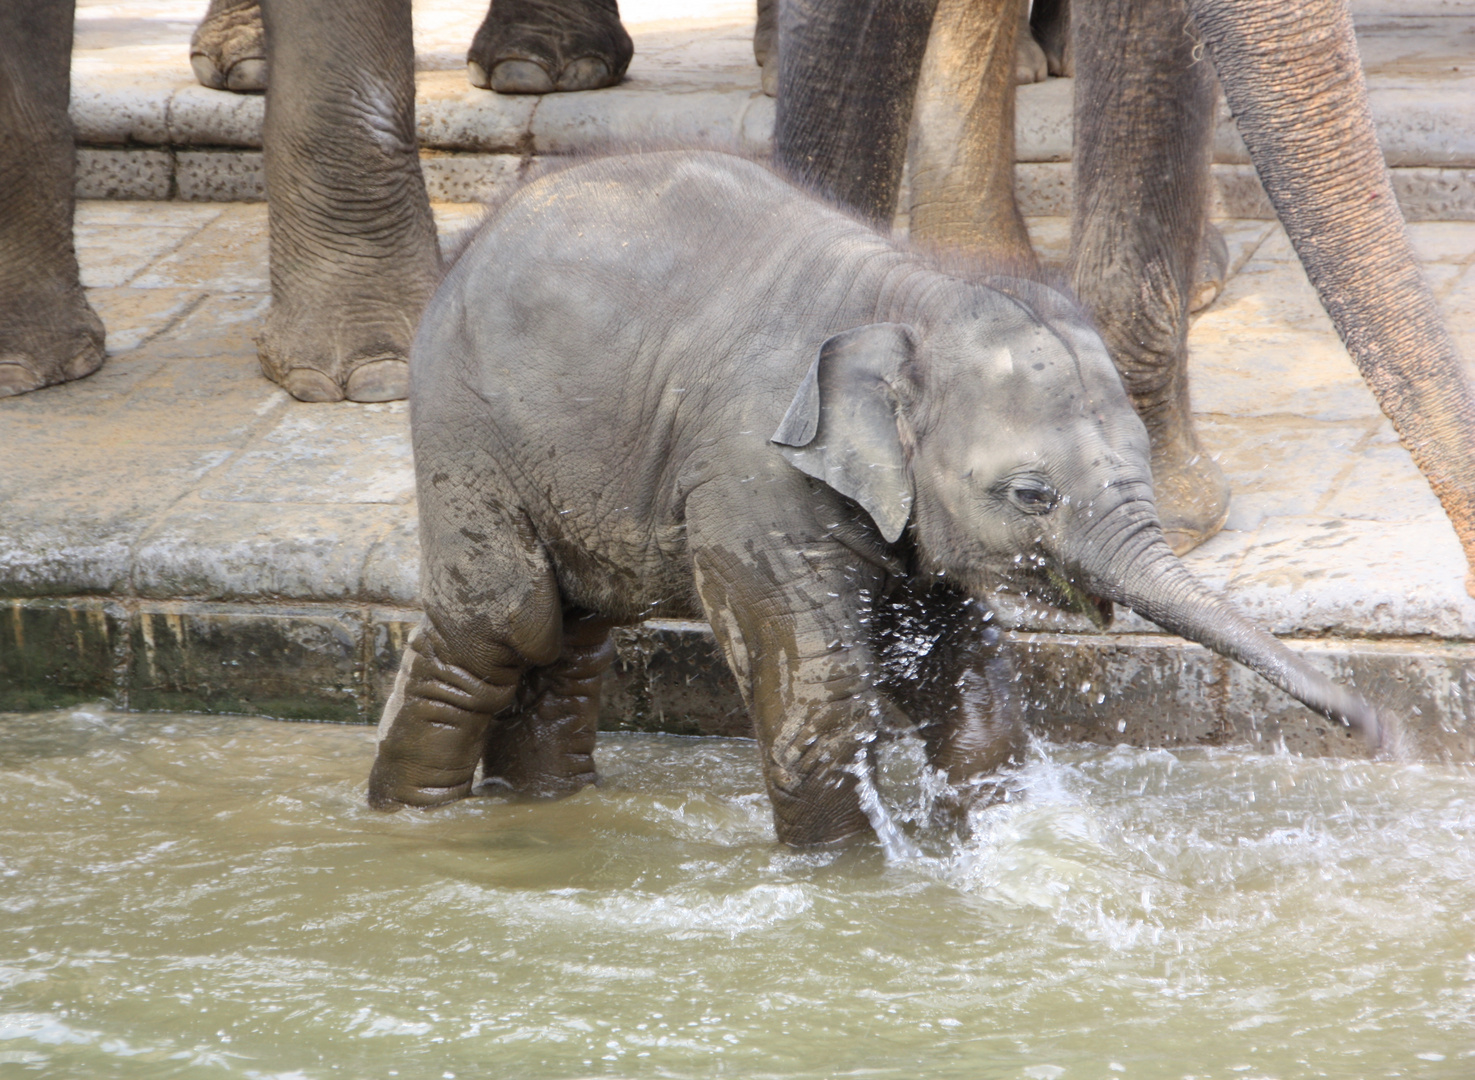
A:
x: 622, y: 272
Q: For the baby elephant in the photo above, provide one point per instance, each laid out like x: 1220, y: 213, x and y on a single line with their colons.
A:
x: 671, y: 384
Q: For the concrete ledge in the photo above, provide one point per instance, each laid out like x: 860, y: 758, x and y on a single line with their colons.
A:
x: 337, y: 663
x: 1044, y: 189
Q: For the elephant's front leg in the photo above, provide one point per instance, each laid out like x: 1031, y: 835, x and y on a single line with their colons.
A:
x: 947, y: 667
x: 353, y: 247
x: 1143, y: 121
x: 48, y: 332
x: 792, y: 627
x: 546, y: 748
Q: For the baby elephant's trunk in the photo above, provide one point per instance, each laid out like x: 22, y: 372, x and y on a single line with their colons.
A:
x: 1140, y: 571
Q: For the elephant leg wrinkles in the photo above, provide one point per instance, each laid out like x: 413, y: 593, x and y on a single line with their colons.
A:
x: 492, y: 613
x: 1143, y: 122
x: 546, y: 748
x: 48, y: 332
x: 353, y: 246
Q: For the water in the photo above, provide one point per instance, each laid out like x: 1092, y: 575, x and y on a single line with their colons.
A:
x: 208, y: 896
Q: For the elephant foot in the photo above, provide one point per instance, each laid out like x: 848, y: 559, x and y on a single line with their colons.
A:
x: 1059, y: 61
x: 311, y: 366
x: 1213, y: 269
x: 1049, y: 21
x: 765, y: 45
x: 228, y: 48
x: 538, y: 760
x: 1030, y: 64
x: 549, y: 46
x: 1192, y: 496
x: 43, y: 352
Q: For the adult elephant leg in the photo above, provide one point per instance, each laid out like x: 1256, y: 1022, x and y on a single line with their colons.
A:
x: 543, y: 46
x: 765, y: 44
x: 1030, y: 63
x: 1212, y: 272
x: 546, y: 748
x: 48, y: 332
x: 961, y: 153
x: 1143, y: 114
x: 353, y: 246
x: 1049, y: 20
x: 847, y: 77
x: 1294, y: 83
x: 228, y: 49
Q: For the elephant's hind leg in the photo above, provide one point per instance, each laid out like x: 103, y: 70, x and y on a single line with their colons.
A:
x: 492, y: 613
x: 546, y: 748
x: 435, y: 722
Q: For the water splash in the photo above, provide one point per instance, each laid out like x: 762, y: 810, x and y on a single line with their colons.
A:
x: 895, y: 843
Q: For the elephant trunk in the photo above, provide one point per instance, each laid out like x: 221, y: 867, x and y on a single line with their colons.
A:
x: 1293, y: 78
x: 1128, y: 561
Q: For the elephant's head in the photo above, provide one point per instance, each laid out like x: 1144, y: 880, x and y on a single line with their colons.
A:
x: 1002, y: 433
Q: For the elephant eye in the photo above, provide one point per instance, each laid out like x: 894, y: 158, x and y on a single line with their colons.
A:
x: 1031, y: 495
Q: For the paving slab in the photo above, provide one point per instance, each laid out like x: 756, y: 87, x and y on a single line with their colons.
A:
x: 178, y: 502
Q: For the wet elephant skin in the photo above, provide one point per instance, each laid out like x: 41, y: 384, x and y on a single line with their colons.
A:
x: 671, y: 384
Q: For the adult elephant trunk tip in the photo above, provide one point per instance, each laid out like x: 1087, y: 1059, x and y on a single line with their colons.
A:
x: 1142, y: 573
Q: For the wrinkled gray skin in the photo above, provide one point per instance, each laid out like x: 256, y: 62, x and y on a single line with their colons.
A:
x: 353, y: 245
x: 670, y: 384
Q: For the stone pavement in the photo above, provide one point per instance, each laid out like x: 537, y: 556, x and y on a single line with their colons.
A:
x: 148, y: 131
x: 176, y: 533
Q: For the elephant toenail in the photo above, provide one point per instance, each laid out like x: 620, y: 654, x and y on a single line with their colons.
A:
x: 380, y: 380
x: 585, y: 73
x: 88, y: 359
x: 17, y: 378
x: 206, y: 73
x: 477, y: 75
x: 305, y: 384
x: 520, y: 77
x: 246, y: 75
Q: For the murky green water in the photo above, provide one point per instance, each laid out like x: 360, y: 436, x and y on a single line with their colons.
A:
x: 202, y: 896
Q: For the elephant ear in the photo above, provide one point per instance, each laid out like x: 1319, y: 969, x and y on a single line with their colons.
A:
x: 842, y: 425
